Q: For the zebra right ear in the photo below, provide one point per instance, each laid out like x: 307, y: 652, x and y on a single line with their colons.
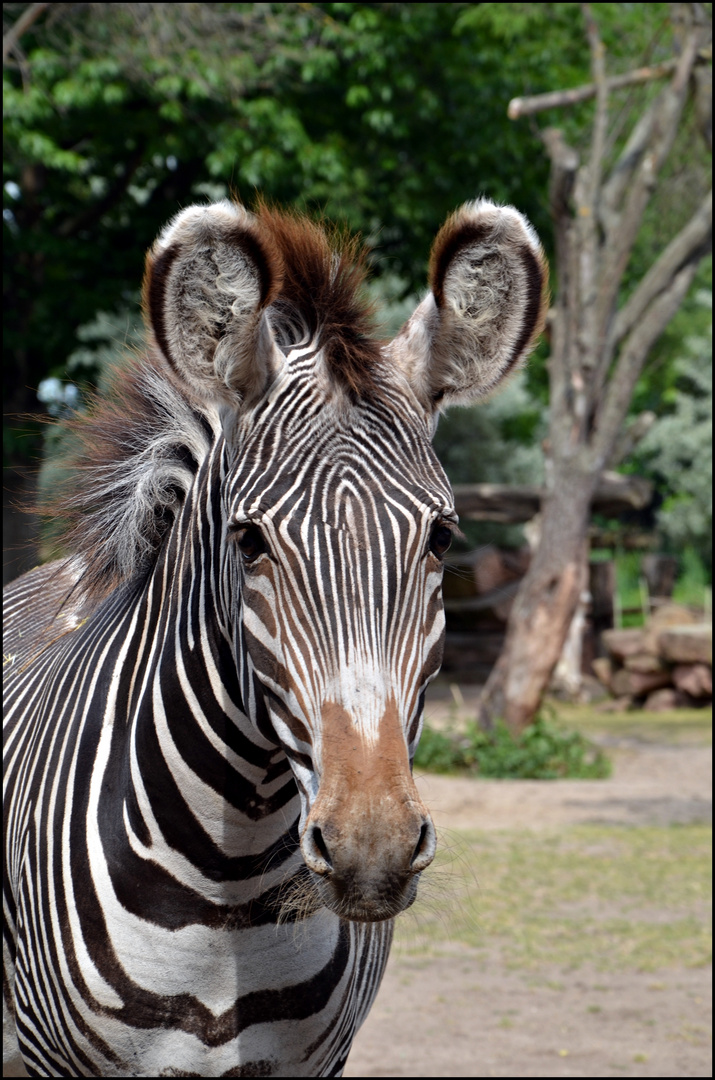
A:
x: 486, y: 307
x: 209, y: 277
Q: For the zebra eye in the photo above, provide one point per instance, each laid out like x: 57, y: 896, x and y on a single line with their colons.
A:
x: 440, y: 539
x: 250, y: 542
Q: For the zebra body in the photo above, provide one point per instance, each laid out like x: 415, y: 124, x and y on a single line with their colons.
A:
x: 212, y: 706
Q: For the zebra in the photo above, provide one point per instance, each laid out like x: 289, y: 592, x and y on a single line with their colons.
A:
x: 213, y: 702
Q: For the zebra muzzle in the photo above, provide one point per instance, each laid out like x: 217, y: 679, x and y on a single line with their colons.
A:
x: 368, y: 835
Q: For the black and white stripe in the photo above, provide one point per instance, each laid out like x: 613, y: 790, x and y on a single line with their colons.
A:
x: 211, y: 707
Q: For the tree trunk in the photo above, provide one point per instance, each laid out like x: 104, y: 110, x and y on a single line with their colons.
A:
x: 599, y: 344
x: 542, y: 612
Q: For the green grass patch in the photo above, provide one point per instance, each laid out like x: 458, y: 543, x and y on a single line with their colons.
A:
x: 615, y: 898
x: 543, y: 751
x: 676, y: 726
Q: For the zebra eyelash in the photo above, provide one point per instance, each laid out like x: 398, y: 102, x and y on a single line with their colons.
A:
x: 249, y: 538
x: 438, y: 543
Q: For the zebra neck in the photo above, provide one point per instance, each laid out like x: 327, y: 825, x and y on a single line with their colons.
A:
x: 205, y: 798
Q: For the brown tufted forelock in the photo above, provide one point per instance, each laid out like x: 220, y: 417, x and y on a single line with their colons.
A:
x: 323, y: 279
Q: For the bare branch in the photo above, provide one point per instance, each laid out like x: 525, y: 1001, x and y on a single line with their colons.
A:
x: 617, y: 397
x: 624, y: 168
x: 587, y: 200
x: 564, y: 167
x: 635, y: 431
x: 682, y: 248
x: 23, y: 24
x: 598, y: 141
x: 663, y: 131
x: 704, y: 103
x: 556, y: 99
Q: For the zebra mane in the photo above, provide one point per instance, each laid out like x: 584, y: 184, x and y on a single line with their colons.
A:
x: 129, y: 463
x: 323, y: 274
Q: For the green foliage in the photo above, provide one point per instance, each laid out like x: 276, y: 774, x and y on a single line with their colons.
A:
x: 629, y: 587
x: 693, y: 585
x: 119, y: 114
x: 543, y: 751
x: 678, y: 448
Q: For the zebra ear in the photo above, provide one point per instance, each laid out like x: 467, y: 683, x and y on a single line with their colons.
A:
x: 209, y: 277
x: 487, y: 305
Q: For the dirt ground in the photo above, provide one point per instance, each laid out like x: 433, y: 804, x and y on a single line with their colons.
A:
x: 452, y: 1012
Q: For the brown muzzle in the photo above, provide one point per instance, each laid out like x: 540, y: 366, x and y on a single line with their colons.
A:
x: 368, y: 835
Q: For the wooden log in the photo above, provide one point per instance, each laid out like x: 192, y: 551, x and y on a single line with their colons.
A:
x: 513, y: 504
x: 664, y: 617
x: 471, y: 656
x: 473, y: 648
x: 602, y: 586
x: 659, y: 572
x: 664, y: 700
x: 498, y: 601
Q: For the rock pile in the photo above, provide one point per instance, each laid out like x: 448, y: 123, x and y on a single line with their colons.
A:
x: 663, y: 665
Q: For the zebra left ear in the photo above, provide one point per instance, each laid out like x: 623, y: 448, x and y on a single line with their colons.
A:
x: 209, y: 277
x: 486, y: 307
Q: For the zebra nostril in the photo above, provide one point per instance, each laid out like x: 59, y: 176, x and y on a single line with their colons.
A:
x: 319, y: 845
x: 420, y: 842
x: 424, y: 848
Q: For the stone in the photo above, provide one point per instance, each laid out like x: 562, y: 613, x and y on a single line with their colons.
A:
x: 645, y: 663
x: 694, y: 679
x: 636, y: 683
x: 603, y: 670
x: 664, y: 617
x: 687, y: 644
x: 673, y: 615
x: 623, y: 643
x: 663, y: 700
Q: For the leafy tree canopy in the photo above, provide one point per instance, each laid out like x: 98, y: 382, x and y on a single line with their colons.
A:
x: 384, y: 115
x: 117, y: 114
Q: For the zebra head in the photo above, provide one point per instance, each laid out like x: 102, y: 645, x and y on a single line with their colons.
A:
x: 336, y: 512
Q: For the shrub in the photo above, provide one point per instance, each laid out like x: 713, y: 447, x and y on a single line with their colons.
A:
x: 543, y: 751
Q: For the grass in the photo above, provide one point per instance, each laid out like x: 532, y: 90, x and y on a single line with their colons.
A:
x: 676, y: 726
x: 614, y: 898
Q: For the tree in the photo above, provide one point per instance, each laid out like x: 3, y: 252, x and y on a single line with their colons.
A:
x: 118, y: 114
x: 598, y: 348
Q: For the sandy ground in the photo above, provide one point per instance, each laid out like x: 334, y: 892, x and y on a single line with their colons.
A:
x: 457, y: 1014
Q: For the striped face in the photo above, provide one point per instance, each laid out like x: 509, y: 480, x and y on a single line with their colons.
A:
x: 338, y: 515
x: 336, y: 511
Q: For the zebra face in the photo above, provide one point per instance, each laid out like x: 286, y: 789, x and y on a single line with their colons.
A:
x: 339, y: 517
x: 336, y: 511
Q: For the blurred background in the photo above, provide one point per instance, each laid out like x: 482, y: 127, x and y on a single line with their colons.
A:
x: 565, y: 927
x: 384, y: 117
